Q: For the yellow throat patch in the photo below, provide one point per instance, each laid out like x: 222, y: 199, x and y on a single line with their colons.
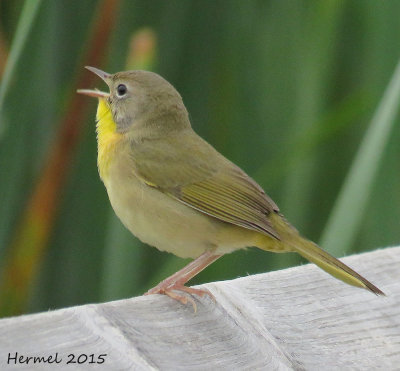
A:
x: 107, y: 137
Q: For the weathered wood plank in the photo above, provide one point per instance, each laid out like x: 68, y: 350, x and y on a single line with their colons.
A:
x: 295, y: 319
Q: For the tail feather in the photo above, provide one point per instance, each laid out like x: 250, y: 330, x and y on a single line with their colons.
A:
x: 290, y: 240
x: 333, y: 266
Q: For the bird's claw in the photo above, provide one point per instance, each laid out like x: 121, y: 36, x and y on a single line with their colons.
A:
x: 171, y: 292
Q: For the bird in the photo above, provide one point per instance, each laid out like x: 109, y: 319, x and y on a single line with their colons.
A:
x: 176, y: 192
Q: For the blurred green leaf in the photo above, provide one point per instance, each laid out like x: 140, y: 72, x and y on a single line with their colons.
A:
x: 352, y: 202
x: 14, y: 138
x: 30, y: 239
x: 27, y: 18
x: 314, y: 71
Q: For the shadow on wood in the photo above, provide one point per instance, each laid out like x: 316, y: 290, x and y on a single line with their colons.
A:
x: 296, y: 319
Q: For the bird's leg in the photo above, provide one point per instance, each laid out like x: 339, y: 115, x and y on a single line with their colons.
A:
x: 178, y: 280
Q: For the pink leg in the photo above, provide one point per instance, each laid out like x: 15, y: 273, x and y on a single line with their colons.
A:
x: 178, y: 280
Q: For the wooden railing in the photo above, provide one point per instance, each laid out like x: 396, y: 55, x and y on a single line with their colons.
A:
x: 296, y: 319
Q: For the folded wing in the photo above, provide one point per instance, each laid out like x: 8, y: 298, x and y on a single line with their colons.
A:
x: 195, y: 174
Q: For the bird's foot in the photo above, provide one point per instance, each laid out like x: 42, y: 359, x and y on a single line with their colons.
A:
x: 170, y: 290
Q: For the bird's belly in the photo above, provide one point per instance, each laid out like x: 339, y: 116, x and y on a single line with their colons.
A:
x: 158, y: 219
x: 167, y: 224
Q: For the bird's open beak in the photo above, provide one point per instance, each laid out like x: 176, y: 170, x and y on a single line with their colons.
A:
x: 93, y: 93
x: 96, y: 93
x: 103, y: 75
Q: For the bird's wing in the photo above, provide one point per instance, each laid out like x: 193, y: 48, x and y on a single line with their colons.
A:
x: 203, y: 179
x: 231, y: 197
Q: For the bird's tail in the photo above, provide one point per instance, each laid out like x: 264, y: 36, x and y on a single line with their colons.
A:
x: 333, y: 266
x: 310, y: 251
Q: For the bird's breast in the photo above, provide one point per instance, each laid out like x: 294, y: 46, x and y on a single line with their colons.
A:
x: 153, y: 217
x: 108, y: 139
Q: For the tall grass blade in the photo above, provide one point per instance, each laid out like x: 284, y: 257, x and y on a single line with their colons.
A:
x: 24, y: 27
x: 346, y: 217
x: 315, y: 69
x: 31, y: 237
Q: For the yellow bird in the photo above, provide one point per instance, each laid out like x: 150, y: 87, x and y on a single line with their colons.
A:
x: 174, y: 191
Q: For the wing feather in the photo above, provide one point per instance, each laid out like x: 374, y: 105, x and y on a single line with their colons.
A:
x: 204, y: 180
x: 237, y: 203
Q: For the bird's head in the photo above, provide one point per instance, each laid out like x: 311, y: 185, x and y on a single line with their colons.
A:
x: 141, y: 102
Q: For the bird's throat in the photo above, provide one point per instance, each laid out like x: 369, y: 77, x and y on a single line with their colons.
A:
x: 107, y: 138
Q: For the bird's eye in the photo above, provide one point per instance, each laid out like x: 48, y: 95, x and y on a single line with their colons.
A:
x: 121, y: 90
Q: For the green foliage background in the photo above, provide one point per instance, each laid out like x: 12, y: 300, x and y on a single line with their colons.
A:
x: 285, y: 89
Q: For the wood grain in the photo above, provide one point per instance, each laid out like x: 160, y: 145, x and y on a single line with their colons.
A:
x: 295, y: 319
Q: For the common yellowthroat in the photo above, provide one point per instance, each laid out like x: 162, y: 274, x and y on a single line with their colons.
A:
x: 174, y: 191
